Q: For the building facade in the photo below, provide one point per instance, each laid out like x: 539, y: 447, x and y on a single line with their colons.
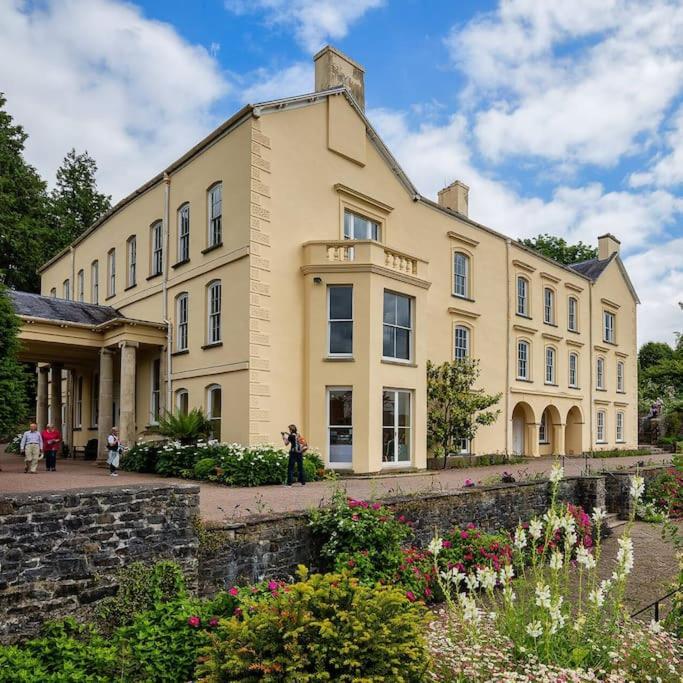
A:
x: 287, y: 270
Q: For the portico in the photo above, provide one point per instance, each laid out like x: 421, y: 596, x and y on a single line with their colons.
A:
x: 81, y: 347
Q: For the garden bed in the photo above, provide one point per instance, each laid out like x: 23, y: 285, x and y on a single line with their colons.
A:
x: 455, y: 462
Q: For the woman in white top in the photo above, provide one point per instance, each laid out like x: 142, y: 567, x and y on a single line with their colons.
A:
x: 114, y: 448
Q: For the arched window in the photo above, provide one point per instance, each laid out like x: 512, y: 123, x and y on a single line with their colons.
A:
x: 620, y: 377
x: 573, y: 370
x: 213, y: 409
x: 80, y: 285
x: 550, y: 356
x: 461, y: 274
x: 182, y: 316
x: 184, y: 233
x: 213, y: 334
x: 523, y: 356
x: 543, y: 431
x: 53, y: 292
x: 600, y: 373
x: 111, y: 272
x: 572, y: 314
x: 548, y: 306
x: 66, y: 289
x: 461, y: 342
x: 182, y: 401
x: 95, y: 282
x: 132, y: 257
x: 215, y: 199
x: 157, y: 251
x: 522, y: 296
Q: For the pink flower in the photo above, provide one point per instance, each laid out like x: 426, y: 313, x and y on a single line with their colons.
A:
x: 233, y: 591
x: 376, y: 506
x: 446, y: 544
x: 464, y: 535
x: 354, y: 503
x: 273, y: 586
x: 468, y: 483
x: 194, y: 622
x: 213, y: 622
x: 471, y: 525
x: 238, y: 611
x: 428, y: 592
x: 355, y: 518
x: 411, y: 596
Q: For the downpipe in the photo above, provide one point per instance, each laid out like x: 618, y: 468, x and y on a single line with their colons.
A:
x: 164, y: 289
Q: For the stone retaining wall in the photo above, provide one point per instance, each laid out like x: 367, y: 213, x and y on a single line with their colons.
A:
x: 59, y: 552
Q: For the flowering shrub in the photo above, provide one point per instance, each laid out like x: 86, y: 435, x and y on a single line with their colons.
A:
x: 230, y: 464
x: 665, y: 491
x: 360, y: 536
x: 325, y: 627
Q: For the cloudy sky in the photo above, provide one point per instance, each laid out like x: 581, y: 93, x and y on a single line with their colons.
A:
x: 563, y: 117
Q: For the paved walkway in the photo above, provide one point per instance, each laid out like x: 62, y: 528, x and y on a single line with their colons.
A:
x: 220, y: 502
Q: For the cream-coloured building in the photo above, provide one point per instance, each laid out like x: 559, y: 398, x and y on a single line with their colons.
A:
x: 286, y: 270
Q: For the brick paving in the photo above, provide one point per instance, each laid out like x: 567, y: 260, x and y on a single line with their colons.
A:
x: 221, y: 502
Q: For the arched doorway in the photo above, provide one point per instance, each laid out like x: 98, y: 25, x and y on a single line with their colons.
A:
x: 522, y: 416
x: 573, y: 432
x: 548, y: 431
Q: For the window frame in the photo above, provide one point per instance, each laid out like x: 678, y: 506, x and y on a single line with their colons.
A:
x: 53, y: 293
x: 600, y: 380
x: 396, y: 427
x: 575, y: 383
x: 600, y: 427
x: 183, y: 221
x: 331, y: 321
x: 549, y: 312
x: 214, y: 315
x: 178, y: 394
x: 609, y: 332
x: 465, y: 278
x: 375, y: 228
x: 214, y: 235
x: 619, y: 423
x: 111, y: 273
x: 575, y: 326
x: 94, y: 400
x: 95, y: 282
x: 182, y: 321
x: 396, y: 326
x: 526, y: 377
x: 468, y: 341
x: 524, y: 311
x: 80, y: 284
x: 550, y: 352
x: 78, y: 402
x: 156, y: 264
x: 66, y: 289
x: 337, y: 464
x: 155, y: 391
x: 543, y: 436
x: 131, y: 261
x: 621, y: 377
x: 210, y: 389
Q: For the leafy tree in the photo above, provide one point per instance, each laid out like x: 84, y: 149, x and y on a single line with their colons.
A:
x: 455, y: 410
x: 13, y: 406
x: 76, y: 202
x: 558, y: 249
x: 653, y: 353
x: 23, y: 210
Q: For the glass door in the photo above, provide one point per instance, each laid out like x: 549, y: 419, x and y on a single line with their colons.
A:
x: 340, y: 426
x: 396, y: 426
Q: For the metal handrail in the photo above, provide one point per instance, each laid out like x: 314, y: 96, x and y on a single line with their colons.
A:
x: 655, y: 604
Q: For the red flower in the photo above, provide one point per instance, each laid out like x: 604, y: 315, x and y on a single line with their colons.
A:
x: 376, y: 506
x: 213, y: 622
x: 428, y: 592
x: 411, y: 596
x: 233, y: 591
x: 194, y: 622
x: 464, y: 535
x: 446, y: 544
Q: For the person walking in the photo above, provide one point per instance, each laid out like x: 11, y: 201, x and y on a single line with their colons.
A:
x: 297, y: 447
x: 52, y: 442
x: 114, y: 448
x: 31, y: 448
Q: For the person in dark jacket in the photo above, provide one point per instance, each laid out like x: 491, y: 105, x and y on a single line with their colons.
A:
x: 296, y: 455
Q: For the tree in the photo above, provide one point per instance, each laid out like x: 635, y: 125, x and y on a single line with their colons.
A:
x: 76, y: 202
x: 13, y: 407
x: 653, y: 353
x: 455, y: 410
x: 23, y: 210
x: 558, y: 249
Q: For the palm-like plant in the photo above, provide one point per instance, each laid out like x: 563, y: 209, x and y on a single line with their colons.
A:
x: 185, y: 427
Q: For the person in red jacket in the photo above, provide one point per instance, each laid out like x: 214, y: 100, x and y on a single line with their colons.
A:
x: 52, y: 442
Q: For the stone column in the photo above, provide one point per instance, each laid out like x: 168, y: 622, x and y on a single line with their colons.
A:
x: 558, y: 439
x: 56, y: 395
x: 106, y: 402
x: 127, y: 430
x: 532, y: 440
x: 163, y: 385
x: 68, y: 424
x: 41, y: 401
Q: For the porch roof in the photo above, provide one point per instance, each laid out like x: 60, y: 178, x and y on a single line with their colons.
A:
x: 31, y: 305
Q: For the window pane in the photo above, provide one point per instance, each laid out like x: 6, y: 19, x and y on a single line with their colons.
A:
x: 348, y: 225
x: 388, y: 445
x: 402, y: 344
x: 389, y: 308
x: 388, y: 404
x: 341, y: 407
x: 341, y: 337
x: 403, y: 311
x: 403, y: 409
x: 403, y: 445
x: 388, y: 341
x: 341, y: 444
x: 341, y: 303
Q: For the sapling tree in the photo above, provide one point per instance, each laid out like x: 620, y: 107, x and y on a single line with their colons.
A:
x: 455, y: 409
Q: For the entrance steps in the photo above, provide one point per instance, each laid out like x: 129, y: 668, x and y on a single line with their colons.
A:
x: 613, y: 522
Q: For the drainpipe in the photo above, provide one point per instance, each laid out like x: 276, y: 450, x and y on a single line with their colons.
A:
x: 590, y: 374
x: 73, y: 274
x: 508, y: 322
x: 164, y: 289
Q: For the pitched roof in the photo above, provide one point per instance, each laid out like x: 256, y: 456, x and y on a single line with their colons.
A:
x: 592, y: 268
x: 50, y: 308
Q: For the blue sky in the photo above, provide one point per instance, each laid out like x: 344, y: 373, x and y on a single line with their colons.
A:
x: 562, y: 117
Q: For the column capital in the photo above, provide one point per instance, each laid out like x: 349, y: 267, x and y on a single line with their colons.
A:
x: 131, y: 344
x: 104, y: 351
x: 44, y: 368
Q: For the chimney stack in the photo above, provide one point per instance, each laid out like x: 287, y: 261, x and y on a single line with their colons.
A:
x: 607, y: 245
x: 333, y: 68
x: 455, y: 197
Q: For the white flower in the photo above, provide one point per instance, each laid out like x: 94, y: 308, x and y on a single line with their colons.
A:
x: 584, y: 557
x: 556, y: 561
x: 470, y: 611
x: 637, y: 487
x: 655, y: 627
x: 487, y: 578
x: 471, y: 582
x: 535, y: 529
x: 624, y: 558
x: 506, y: 574
x: 556, y: 473
x: 543, y: 595
x: 572, y: 539
x: 535, y: 629
x: 435, y: 546
x: 599, y: 515
x: 520, y: 538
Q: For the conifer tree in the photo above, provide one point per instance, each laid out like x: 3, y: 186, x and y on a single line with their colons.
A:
x: 13, y: 404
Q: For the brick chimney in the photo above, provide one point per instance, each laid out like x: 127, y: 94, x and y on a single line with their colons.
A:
x: 607, y: 245
x: 455, y: 197
x: 334, y: 68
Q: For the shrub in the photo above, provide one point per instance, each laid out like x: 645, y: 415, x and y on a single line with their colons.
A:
x: 141, y: 587
x: 140, y: 458
x: 322, y: 628
x: 666, y: 492
x: 187, y: 428
x: 204, y: 468
x: 361, y: 536
x: 13, y: 445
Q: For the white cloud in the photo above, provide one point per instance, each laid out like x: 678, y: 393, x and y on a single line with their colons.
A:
x: 98, y: 75
x: 582, y: 81
x: 434, y: 156
x: 314, y: 21
x: 296, y: 79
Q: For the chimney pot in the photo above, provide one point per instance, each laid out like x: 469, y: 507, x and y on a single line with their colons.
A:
x: 333, y: 68
x: 455, y: 197
x: 608, y: 244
